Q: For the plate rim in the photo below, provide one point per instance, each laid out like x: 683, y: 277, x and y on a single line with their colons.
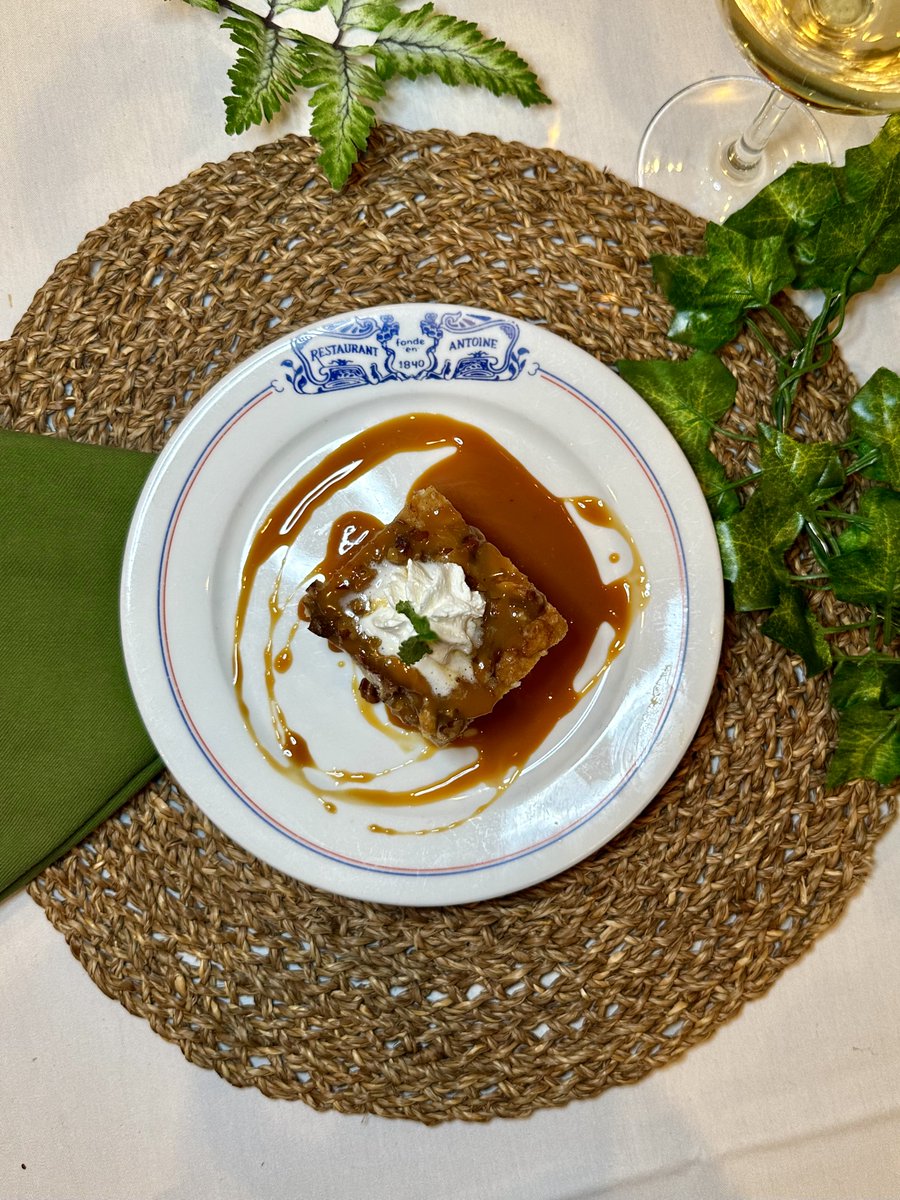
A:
x: 686, y: 479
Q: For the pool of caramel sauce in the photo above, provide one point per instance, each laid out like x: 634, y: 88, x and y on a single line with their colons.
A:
x: 494, y: 492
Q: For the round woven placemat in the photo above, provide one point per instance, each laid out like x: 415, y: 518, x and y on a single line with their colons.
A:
x: 500, y: 1008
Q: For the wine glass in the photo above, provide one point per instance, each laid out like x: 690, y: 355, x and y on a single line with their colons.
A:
x: 714, y: 144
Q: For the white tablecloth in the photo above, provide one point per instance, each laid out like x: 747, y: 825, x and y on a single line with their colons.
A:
x: 108, y: 101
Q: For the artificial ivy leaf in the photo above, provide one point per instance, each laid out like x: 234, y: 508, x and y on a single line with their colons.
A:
x: 690, y: 397
x: 711, y: 293
x: 882, y: 255
x: 793, y: 480
x: 793, y: 624
x: 875, y: 422
x: 752, y: 544
x: 864, y: 165
x: 363, y: 14
x: 890, y: 688
x: 265, y: 75
x: 867, y: 568
x: 342, y: 119
x: 792, y: 204
x: 705, y: 328
x: 803, y: 474
x: 422, y: 42
x: 866, y: 693
x: 868, y: 745
x: 868, y: 680
x: 857, y: 237
x: 855, y: 241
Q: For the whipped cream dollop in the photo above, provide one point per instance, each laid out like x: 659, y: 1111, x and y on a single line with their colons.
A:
x: 437, y: 591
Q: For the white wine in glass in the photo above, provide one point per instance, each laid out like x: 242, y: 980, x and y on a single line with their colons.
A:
x: 716, y: 143
x: 842, y: 55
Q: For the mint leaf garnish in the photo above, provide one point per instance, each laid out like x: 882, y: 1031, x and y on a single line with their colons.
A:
x: 416, y: 647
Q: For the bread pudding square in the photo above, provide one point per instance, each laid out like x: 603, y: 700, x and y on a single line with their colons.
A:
x: 441, y: 624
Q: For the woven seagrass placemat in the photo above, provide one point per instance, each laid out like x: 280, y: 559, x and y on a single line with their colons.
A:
x: 500, y: 1008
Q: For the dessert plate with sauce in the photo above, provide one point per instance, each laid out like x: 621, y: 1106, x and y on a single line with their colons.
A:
x: 285, y: 467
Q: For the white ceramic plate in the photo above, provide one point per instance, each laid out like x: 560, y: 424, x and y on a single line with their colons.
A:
x: 573, y: 424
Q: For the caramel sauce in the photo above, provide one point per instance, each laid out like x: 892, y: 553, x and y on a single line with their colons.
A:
x: 532, y: 527
x: 347, y: 534
x: 386, y: 829
x: 295, y: 752
x: 512, y: 605
x: 296, y: 749
x: 596, y: 512
x: 390, y: 727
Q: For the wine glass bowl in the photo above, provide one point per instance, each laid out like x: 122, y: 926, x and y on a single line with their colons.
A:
x: 714, y: 144
x: 842, y: 55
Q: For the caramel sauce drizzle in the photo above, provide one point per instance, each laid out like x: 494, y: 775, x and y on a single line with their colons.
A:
x: 531, y: 526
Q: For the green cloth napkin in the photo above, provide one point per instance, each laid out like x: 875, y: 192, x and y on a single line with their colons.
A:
x: 72, y: 745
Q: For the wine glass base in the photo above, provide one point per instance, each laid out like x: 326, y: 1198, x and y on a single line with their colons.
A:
x: 682, y: 151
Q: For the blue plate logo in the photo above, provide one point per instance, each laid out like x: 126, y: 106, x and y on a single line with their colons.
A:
x: 368, y: 350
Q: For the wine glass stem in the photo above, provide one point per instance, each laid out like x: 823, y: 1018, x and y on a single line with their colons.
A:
x: 742, y: 157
